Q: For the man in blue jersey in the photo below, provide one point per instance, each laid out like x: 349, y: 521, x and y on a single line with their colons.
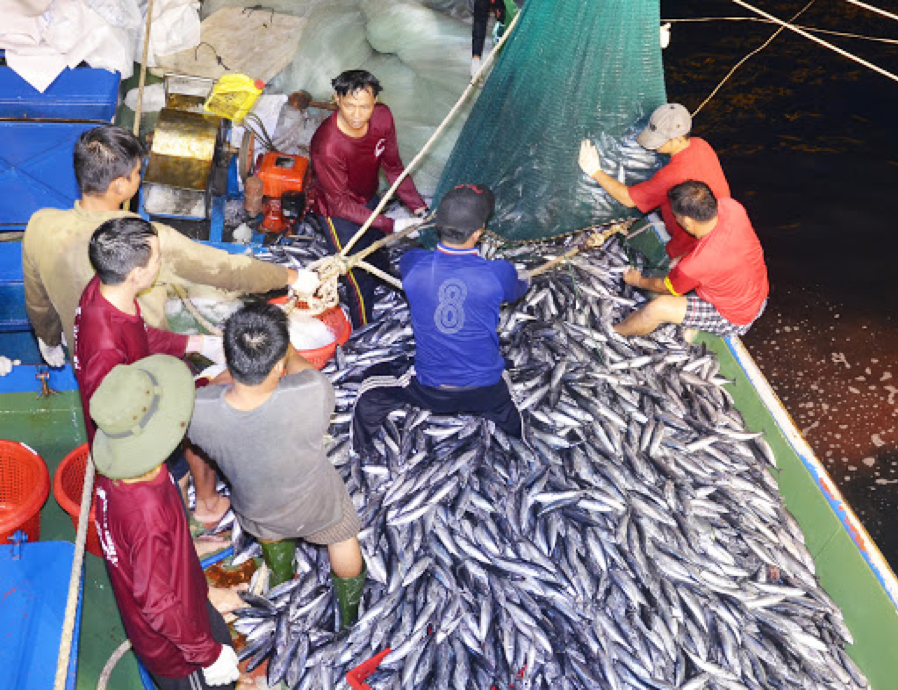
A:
x: 454, y: 297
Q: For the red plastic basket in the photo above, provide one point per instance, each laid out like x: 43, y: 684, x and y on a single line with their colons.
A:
x: 68, y: 483
x: 24, y: 486
x: 337, y: 323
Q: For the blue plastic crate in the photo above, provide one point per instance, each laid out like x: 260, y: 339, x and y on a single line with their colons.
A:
x: 36, y: 168
x: 34, y: 588
x: 82, y: 93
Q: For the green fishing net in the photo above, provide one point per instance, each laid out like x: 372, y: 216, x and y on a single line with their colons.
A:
x: 571, y: 69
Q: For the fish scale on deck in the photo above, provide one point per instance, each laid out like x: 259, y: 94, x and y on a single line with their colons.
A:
x: 638, y: 542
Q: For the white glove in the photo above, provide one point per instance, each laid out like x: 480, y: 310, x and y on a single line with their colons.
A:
x: 665, y: 35
x: 224, y: 670
x: 6, y: 365
x: 589, y: 158
x: 401, y: 224
x: 53, y: 355
x: 476, y: 62
x: 523, y: 274
x: 210, y: 372
x: 306, y: 282
x: 213, y: 349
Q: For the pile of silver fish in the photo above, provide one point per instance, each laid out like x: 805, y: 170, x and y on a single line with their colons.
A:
x: 637, y: 540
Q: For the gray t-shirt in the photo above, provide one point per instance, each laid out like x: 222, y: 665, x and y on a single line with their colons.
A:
x: 282, y: 484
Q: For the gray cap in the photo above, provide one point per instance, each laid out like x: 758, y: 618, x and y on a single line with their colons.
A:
x: 669, y: 121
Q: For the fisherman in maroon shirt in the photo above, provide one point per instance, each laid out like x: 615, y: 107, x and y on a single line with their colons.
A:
x: 109, y: 329
x: 142, y: 411
x: 348, y: 151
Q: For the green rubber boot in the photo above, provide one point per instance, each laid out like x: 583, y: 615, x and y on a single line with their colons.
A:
x: 348, y: 591
x: 278, y: 556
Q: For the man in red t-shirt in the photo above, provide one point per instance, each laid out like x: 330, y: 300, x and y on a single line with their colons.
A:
x: 720, y: 286
x: 348, y: 151
x: 691, y: 158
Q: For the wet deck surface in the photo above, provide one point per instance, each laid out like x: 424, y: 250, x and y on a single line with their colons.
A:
x: 808, y: 143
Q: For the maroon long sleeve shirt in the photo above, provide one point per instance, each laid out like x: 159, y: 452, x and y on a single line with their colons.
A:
x: 346, y: 169
x: 155, y: 574
x: 105, y: 337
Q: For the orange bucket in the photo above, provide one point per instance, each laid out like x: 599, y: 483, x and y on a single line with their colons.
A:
x: 24, y: 486
x: 68, y: 483
x: 336, y: 322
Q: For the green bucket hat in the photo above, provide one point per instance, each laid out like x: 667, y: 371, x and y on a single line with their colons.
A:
x: 142, y: 411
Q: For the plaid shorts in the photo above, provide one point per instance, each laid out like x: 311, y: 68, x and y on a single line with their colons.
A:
x: 703, y: 316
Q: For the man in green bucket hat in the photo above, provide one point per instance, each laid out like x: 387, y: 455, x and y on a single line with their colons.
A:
x: 142, y: 411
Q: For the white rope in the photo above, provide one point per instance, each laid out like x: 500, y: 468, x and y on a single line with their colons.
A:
x: 743, y: 60
x: 71, y: 606
x: 873, y: 9
x: 405, y: 173
x: 826, y: 44
x: 111, y: 662
x: 761, y: 20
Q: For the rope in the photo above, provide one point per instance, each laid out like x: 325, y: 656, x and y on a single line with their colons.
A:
x: 752, y: 53
x: 211, y: 328
x: 825, y: 44
x: 111, y: 662
x: 71, y: 606
x: 760, y: 20
x: 873, y: 9
x: 405, y: 173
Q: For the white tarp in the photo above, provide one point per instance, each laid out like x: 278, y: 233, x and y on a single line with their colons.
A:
x: 43, y: 37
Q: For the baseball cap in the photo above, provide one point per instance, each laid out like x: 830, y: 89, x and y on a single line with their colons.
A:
x: 667, y: 122
x: 466, y: 207
x: 141, y: 411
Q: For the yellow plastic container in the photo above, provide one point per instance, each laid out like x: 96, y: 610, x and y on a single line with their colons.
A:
x: 233, y: 96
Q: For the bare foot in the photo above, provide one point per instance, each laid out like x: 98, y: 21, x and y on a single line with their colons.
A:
x: 226, y: 599
x: 210, y: 511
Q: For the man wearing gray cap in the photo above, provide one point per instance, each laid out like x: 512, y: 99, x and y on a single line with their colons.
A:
x: 691, y: 158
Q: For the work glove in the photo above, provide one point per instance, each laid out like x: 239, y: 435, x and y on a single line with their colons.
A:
x: 476, y: 62
x: 401, y: 224
x: 210, y: 372
x: 665, y: 35
x: 589, y: 158
x: 306, y: 282
x: 6, y: 365
x: 224, y: 670
x: 213, y: 349
x: 53, y: 355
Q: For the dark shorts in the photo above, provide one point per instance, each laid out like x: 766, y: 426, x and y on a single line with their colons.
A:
x: 380, y: 395
x: 703, y: 316
x: 196, y: 680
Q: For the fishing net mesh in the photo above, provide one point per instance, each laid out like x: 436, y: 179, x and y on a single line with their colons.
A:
x: 572, y: 69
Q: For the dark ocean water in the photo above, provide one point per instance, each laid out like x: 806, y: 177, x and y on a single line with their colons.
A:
x: 809, y: 142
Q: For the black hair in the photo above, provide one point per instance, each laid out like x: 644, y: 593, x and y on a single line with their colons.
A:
x: 353, y: 80
x: 104, y: 154
x: 451, y: 235
x: 119, y: 246
x: 694, y: 200
x: 255, y: 339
